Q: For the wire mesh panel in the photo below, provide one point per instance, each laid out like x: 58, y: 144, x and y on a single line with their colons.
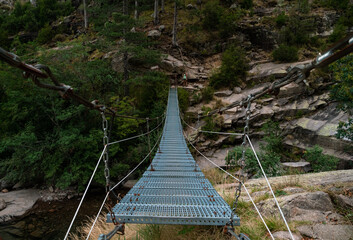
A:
x: 173, y: 190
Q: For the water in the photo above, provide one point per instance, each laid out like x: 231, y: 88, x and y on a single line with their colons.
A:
x: 50, y: 220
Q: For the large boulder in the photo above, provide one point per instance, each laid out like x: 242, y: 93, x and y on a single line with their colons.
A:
x: 327, y: 232
x: 171, y: 64
x: 309, y: 206
x: 21, y: 202
x: 344, y: 201
x: 2, y: 204
x: 282, y: 235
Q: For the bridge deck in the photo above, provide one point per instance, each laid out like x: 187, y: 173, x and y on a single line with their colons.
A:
x: 176, y: 192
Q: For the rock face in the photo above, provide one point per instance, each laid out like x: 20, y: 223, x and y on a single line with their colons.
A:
x: 2, y: 204
x: 297, y: 166
x: 327, y: 232
x: 315, y: 207
x: 21, y: 202
x: 282, y: 235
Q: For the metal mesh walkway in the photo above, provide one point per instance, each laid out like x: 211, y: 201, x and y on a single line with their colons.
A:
x: 173, y: 190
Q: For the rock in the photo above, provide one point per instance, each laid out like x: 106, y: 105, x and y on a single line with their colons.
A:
x: 170, y: 64
x: 130, y: 183
x: 292, y: 190
x: 291, y: 90
x: 344, y: 201
x: 118, y: 63
x: 225, y: 93
x: 260, y: 193
x: 154, y: 34
x: 190, y: 6
x: 312, y: 206
x: 5, y: 184
x: 18, y: 186
x: 155, y: 68
x: 237, y: 90
x: 327, y: 232
x: 133, y: 30
x: 3, y: 204
x: 297, y: 166
x: 233, y: 6
x: 4, y: 190
x: 282, y: 235
x: 21, y: 202
x: 51, y: 189
x: 161, y: 28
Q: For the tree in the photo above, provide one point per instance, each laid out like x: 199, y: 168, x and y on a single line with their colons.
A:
x: 136, y: 15
x: 175, y: 22
x: 162, y: 6
x: 342, y: 91
x: 85, y: 14
x: 155, y: 13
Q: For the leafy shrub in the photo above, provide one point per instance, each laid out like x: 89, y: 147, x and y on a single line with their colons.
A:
x: 233, y: 69
x: 281, y: 19
x: 335, y: 4
x: 269, y: 161
x: 303, y: 6
x: 339, y: 32
x: 246, y: 4
x: 212, y: 13
x: 207, y: 94
x: 183, y: 98
x: 341, y: 91
x: 320, y: 162
x: 45, y: 34
x: 297, y: 30
x: 285, y: 53
x: 273, y: 137
x: 211, y: 125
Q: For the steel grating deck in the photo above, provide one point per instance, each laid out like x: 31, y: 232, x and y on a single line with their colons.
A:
x: 173, y: 190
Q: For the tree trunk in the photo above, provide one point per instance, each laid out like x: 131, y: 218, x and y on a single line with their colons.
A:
x: 162, y: 6
x: 125, y: 7
x: 136, y: 10
x: 174, y: 33
x: 85, y: 14
x: 155, y: 14
x: 126, y: 74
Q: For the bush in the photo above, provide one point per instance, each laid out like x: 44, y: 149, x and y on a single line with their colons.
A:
x: 212, y: 14
x: 297, y: 30
x: 233, y: 69
x: 246, y: 4
x: 285, y: 53
x: 211, y: 125
x: 281, y: 19
x: 320, y: 162
x: 273, y: 137
x: 207, y: 94
x: 45, y: 34
x: 338, y: 32
x: 183, y: 98
x: 269, y: 161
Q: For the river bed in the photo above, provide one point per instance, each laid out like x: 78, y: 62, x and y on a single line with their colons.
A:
x: 50, y: 220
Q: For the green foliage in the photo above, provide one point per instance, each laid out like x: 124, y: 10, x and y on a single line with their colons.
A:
x: 29, y: 18
x: 211, y: 125
x: 273, y: 137
x: 285, y: 53
x: 335, y: 4
x: 207, y: 94
x: 303, y: 6
x: 183, y: 98
x: 212, y: 13
x: 246, y: 4
x: 233, y: 69
x: 320, y: 162
x: 281, y: 19
x: 338, y: 33
x: 45, y: 34
x: 342, y: 91
x: 269, y: 161
x: 297, y: 30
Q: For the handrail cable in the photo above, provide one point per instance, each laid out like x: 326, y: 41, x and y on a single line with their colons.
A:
x: 269, y: 185
x: 106, y: 196
x: 84, y: 194
x: 94, y: 172
x: 263, y: 172
x: 246, y: 190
